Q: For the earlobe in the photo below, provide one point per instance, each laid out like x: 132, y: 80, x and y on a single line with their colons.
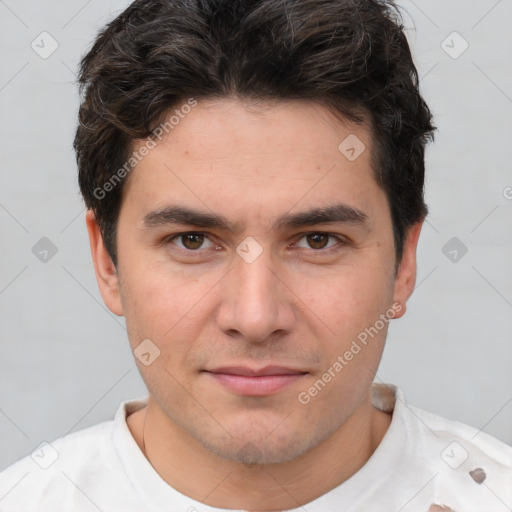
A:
x: 105, y: 270
x: 405, y: 279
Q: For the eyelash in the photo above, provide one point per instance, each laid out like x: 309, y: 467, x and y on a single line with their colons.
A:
x: 342, y: 241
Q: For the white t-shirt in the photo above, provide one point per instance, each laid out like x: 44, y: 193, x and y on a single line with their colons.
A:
x: 424, y: 463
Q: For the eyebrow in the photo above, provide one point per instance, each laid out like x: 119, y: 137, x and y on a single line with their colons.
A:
x: 176, y: 214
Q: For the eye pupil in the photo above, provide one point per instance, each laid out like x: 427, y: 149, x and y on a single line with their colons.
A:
x: 195, y: 239
x: 318, y: 240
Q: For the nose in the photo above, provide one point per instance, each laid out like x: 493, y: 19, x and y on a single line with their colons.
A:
x: 256, y: 304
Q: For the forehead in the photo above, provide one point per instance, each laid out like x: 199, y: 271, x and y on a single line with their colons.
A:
x: 232, y: 154
x: 237, y: 128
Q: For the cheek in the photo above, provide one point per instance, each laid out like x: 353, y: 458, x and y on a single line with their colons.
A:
x: 162, y: 305
x: 345, y: 300
x: 161, y: 310
x: 351, y: 308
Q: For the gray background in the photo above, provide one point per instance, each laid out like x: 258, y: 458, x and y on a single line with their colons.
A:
x: 65, y: 362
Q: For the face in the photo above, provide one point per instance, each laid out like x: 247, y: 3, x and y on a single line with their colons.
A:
x: 255, y: 256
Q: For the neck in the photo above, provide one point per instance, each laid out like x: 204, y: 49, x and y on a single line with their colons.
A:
x: 188, y: 467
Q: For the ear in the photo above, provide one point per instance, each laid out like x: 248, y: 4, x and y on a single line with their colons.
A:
x: 405, y: 278
x: 106, y: 272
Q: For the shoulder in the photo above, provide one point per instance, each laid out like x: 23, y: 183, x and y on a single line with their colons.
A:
x: 454, y: 465
x: 50, y: 464
x: 432, y: 431
x: 475, y: 440
x: 471, y: 469
x: 69, y: 473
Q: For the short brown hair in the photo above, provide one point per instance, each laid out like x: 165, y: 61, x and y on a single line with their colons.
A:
x: 351, y: 55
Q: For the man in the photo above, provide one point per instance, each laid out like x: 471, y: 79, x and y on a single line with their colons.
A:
x: 254, y: 173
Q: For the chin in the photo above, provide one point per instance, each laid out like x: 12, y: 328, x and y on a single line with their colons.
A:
x: 265, y: 449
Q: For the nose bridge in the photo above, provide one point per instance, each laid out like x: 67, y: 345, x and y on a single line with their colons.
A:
x: 255, y: 303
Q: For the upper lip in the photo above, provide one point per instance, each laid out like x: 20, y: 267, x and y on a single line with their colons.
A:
x: 251, y: 372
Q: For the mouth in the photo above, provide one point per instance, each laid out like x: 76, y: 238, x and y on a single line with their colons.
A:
x: 248, y: 381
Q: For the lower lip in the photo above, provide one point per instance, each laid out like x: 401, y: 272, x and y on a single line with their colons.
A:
x: 257, y: 385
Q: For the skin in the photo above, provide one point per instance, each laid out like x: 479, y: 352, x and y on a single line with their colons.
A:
x: 296, y: 305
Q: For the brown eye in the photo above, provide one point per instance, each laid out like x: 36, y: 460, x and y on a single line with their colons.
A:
x: 317, y: 240
x: 321, y: 242
x: 189, y: 241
